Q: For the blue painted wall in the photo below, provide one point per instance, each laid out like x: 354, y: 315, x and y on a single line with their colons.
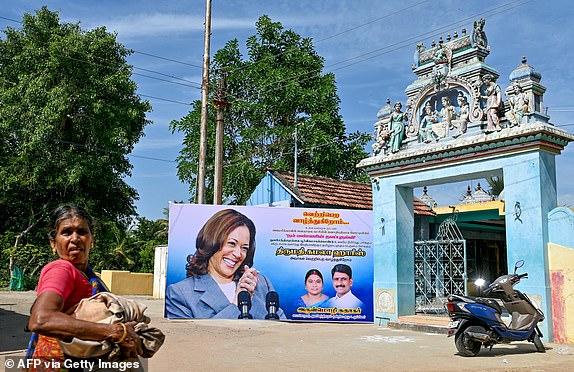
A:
x: 269, y: 192
x: 561, y: 226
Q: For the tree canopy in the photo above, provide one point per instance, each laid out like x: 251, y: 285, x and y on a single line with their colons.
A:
x: 69, y: 116
x: 280, y: 85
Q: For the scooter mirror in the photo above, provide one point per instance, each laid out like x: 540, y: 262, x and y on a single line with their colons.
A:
x: 518, y: 265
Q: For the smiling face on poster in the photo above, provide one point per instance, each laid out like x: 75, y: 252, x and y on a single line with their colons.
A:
x: 318, y: 261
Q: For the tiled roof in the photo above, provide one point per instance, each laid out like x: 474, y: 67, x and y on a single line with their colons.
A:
x: 325, y: 192
x: 422, y: 209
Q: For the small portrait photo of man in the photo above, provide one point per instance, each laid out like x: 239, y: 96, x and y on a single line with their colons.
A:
x: 342, y: 278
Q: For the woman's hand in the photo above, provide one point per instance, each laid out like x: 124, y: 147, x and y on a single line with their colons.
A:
x: 248, y: 280
x: 131, y: 346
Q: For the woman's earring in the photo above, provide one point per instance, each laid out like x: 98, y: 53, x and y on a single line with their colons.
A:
x: 92, y: 244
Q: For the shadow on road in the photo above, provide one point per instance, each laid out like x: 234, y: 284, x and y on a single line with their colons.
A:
x: 502, y: 350
x: 12, y: 330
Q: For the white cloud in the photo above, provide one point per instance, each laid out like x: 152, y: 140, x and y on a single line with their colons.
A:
x: 158, y: 24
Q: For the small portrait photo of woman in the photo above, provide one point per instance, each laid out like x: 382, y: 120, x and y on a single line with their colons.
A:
x: 314, y: 287
x: 220, y: 269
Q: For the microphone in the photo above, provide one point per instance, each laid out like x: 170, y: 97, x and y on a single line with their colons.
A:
x: 244, y: 304
x: 272, y: 304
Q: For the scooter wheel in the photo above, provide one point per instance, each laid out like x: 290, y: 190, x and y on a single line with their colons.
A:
x: 538, y: 343
x: 466, y: 346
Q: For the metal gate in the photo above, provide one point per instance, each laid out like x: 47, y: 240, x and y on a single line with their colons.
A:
x: 440, y: 268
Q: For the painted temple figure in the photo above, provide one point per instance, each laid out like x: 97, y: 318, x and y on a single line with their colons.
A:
x: 493, y: 101
x: 447, y: 114
x: 478, y: 35
x: 430, y: 118
x: 381, y: 137
x: 398, y: 119
x: 462, y: 118
x: 518, y: 106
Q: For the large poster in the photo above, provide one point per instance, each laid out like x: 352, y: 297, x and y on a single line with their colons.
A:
x: 319, y: 263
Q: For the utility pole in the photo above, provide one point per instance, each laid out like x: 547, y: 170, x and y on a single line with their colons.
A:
x: 203, y: 121
x: 221, y: 104
x: 296, y: 153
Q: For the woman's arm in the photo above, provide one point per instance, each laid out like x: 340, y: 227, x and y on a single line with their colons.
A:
x: 48, y: 319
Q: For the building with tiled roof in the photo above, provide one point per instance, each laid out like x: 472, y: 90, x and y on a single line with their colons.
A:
x: 318, y: 192
x: 279, y: 189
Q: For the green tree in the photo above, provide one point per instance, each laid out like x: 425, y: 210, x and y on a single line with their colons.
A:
x: 279, y: 86
x: 496, y: 185
x: 145, y: 237
x: 69, y: 116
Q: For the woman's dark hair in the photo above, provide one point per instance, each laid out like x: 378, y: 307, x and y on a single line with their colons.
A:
x: 313, y: 272
x: 212, y: 237
x: 65, y: 212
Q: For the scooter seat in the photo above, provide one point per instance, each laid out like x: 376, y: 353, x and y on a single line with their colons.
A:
x: 489, y: 302
x: 481, y: 300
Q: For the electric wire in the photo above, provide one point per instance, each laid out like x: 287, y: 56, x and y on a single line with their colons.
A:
x: 393, y: 47
x: 455, y: 24
x: 106, y: 151
x: 10, y: 19
x: 195, y: 84
x: 251, y: 65
x: 396, y: 46
x: 139, y: 74
x: 371, y: 22
x: 166, y: 59
x: 332, y: 36
x: 165, y: 99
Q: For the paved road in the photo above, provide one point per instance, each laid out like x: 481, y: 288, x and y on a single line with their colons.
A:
x: 209, y: 345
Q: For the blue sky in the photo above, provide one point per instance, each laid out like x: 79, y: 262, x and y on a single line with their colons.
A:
x: 375, y: 39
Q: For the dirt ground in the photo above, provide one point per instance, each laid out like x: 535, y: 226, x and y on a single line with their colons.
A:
x: 258, y: 345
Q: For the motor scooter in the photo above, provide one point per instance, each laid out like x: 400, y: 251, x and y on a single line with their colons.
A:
x: 478, y: 321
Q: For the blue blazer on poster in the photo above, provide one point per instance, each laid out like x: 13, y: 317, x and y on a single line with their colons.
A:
x: 201, y: 297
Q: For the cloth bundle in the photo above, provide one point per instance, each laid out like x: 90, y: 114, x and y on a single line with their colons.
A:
x: 106, y: 307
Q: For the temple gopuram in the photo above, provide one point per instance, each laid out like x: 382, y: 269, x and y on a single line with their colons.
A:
x: 456, y: 103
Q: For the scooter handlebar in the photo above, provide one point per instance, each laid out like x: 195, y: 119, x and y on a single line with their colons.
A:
x: 517, y: 277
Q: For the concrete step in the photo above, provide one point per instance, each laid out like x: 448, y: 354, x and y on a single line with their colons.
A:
x: 422, y: 323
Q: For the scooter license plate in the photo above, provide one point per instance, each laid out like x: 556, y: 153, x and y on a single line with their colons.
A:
x: 454, y: 324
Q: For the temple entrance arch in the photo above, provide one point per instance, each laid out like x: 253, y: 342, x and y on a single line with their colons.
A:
x: 530, y: 193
